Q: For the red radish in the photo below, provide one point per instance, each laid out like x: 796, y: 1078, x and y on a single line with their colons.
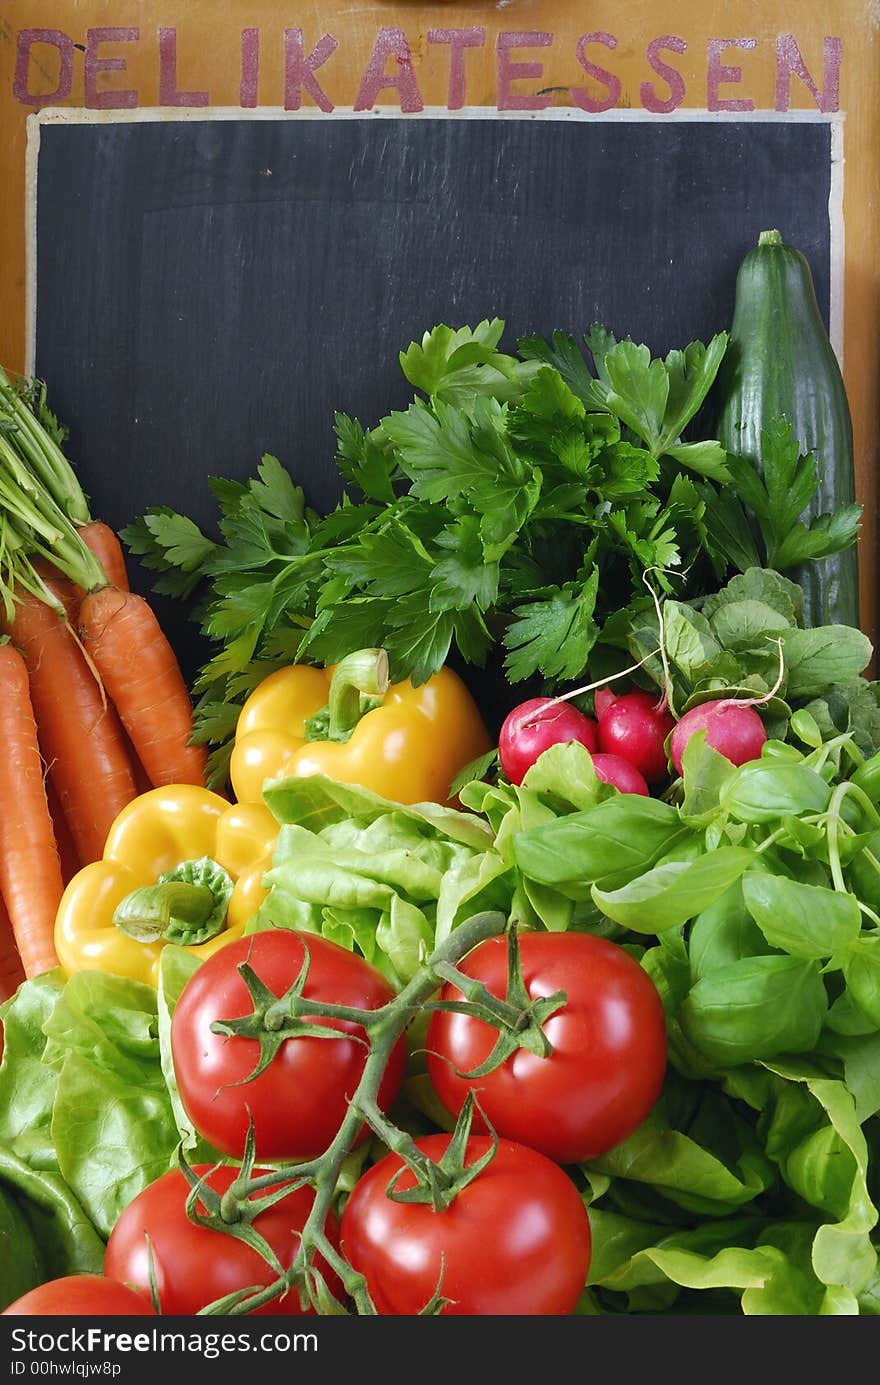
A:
x: 613, y: 769
x: 532, y: 727
x: 635, y: 727
x: 602, y: 700
x: 733, y: 729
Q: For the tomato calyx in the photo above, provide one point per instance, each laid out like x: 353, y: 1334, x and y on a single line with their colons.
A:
x: 383, y: 1028
x: 518, y: 1018
x: 437, y: 1182
x: 233, y: 1213
x: 273, y: 1020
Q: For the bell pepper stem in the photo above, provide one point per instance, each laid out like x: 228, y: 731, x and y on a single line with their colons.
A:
x: 146, y: 914
x: 186, y: 905
x: 361, y: 674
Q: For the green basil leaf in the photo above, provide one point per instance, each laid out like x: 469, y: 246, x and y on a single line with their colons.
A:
x: 672, y: 894
x: 565, y: 774
x: 620, y: 838
x: 705, y: 772
x: 762, y: 793
x: 755, y: 1009
x: 861, y: 971
x: 808, y: 921
x: 725, y: 932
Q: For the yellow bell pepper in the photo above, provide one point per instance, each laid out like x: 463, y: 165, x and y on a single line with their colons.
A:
x: 347, y: 722
x: 181, y: 865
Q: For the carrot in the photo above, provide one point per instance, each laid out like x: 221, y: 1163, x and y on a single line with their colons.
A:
x: 30, y: 872
x: 103, y: 542
x: 79, y: 732
x: 64, y: 839
x: 141, y: 674
x: 11, y: 970
x: 141, y: 778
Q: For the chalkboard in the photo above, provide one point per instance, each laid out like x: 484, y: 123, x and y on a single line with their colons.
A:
x: 209, y: 290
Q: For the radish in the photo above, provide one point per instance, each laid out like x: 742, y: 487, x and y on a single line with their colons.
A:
x: 613, y: 769
x: 732, y: 728
x: 533, y: 726
x: 602, y: 700
x: 635, y: 726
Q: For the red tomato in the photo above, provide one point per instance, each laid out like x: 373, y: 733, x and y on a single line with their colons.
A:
x: 515, y: 1241
x: 194, y: 1265
x: 299, y: 1101
x: 81, y: 1296
x: 608, y: 1041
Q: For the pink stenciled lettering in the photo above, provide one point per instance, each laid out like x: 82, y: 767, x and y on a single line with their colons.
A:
x: 390, y: 43
x: 300, y: 69
x: 508, y: 71
x: 459, y: 40
x: 250, y: 68
x: 169, y: 94
x: 718, y: 72
x: 612, y: 84
x: 94, y: 64
x: 671, y: 76
x: 789, y: 61
x: 54, y: 38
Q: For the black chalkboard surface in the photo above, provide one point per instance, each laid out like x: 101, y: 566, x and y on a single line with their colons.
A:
x: 214, y: 289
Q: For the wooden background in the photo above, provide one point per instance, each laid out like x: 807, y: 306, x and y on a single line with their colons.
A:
x: 661, y: 59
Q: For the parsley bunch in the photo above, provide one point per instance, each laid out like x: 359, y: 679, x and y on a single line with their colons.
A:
x: 512, y: 510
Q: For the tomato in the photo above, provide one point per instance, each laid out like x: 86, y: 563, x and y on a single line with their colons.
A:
x: 194, y: 1265
x: 608, y: 1042
x: 514, y: 1241
x: 81, y: 1296
x: 299, y: 1101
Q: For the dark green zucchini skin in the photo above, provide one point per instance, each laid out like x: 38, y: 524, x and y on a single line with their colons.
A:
x: 779, y: 361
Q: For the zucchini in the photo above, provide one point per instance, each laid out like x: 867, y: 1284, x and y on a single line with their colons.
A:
x: 780, y: 362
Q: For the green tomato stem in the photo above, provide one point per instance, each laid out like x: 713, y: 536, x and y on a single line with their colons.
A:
x: 384, y: 1027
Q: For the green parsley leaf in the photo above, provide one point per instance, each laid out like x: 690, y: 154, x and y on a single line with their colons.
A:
x: 179, y: 540
x: 275, y: 493
x: 779, y: 497
x: 564, y: 354
x: 455, y: 366
x: 463, y: 577
x: 553, y: 636
x: 388, y: 562
x: 706, y: 458
x: 637, y: 391
x: 691, y: 374
x: 363, y: 462
x: 417, y: 640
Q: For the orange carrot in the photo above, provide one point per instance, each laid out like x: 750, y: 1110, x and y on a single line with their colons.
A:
x: 11, y: 970
x: 64, y: 839
x: 30, y: 872
x: 141, y: 778
x: 140, y: 672
x: 103, y: 542
x: 79, y: 732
